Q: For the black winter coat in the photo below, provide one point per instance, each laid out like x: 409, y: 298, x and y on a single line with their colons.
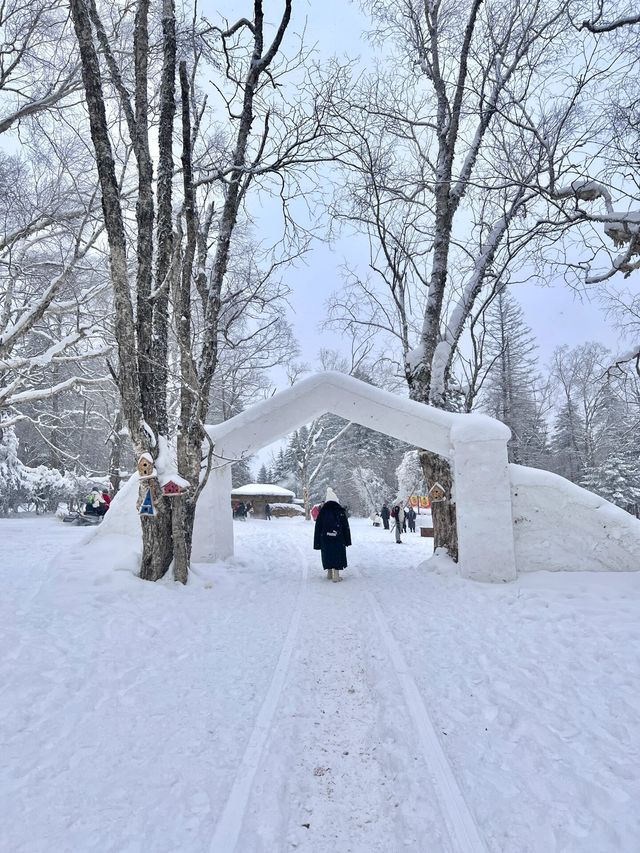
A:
x: 332, y: 535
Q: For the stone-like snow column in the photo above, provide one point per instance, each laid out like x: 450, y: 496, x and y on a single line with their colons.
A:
x: 213, y: 527
x: 482, y: 487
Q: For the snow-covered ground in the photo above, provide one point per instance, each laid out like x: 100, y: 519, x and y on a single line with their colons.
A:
x: 262, y: 708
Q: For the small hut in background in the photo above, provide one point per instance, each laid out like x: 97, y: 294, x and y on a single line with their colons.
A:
x: 259, y: 494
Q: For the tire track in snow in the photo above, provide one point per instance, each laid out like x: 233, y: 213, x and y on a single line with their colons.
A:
x: 229, y: 826
x: 461, y: 825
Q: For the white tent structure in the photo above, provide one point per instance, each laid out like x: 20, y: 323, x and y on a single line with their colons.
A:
x: 476, y: 445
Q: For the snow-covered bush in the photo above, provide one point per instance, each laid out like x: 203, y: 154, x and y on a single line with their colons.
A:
x: 40, y: 488
x: 47, y: 487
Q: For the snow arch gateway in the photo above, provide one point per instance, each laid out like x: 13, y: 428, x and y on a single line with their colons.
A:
x: 476, y: 445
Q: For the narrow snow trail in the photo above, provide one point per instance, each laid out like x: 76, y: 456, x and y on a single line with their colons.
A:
x: 460, y: 821
x: 230, y: 824
x: 345, y: 765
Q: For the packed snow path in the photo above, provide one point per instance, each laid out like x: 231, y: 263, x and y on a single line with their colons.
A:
x: 393, y: 711
x: 340, y: 737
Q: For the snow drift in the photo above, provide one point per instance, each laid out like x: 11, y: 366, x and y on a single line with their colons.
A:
x: 559, y: 526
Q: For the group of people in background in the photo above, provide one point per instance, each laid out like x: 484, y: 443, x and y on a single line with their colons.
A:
x: 402, y: 518
x: 244, y: 510
x: 97, y: 501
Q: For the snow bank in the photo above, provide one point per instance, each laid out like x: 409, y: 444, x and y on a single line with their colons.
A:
x: 559, y: 526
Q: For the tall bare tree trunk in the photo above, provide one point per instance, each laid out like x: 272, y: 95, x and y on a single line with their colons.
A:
x: 115, y: 454
x: 142, y: 391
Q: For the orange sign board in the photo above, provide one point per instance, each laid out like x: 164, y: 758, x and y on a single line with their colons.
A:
x: 420, y: 500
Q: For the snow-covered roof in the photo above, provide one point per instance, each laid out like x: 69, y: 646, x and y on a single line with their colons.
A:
x: 169, y: 476
x: 263, y: 489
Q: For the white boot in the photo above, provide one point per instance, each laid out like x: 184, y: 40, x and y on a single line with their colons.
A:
x: 335, y: 577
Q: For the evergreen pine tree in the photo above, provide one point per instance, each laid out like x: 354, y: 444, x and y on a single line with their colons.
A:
x: 567, y: 443
x: 512, y: 386
x: 241, y: 473
x: 12, y: 472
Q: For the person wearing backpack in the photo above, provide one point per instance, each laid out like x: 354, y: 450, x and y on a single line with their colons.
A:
x: 332, y: 536
x: 398, y: 516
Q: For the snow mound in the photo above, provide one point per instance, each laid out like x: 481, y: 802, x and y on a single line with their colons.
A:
x: 559, y: 526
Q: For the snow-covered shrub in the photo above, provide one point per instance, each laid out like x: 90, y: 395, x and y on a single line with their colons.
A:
x: 40, y: 488
x: 47, y: 487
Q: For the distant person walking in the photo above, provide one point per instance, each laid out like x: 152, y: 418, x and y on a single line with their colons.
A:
x: 267, y: 512
x: 411, y: 519
x: 398, y: 516
x: 332, y: 536
x: 384, y: 515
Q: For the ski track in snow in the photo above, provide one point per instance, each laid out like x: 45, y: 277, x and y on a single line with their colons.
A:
x: 391, y: 712
x: 230, y: 824
x: 346, y: 749
x: 461, y: 824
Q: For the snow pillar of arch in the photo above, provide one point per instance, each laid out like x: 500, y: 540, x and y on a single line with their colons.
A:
x: 213, y: 526
x: 482, y: 492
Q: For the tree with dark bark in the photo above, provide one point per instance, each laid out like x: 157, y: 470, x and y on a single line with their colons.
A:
x: 188, y: 298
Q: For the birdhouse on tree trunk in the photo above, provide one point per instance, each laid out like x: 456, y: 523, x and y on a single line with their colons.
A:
x: 145, y: 466
x: 171, y: 489
x: 173, y: 485
x: 437, y: 493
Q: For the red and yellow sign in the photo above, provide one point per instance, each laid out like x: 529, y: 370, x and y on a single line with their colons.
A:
x: 420, y: 500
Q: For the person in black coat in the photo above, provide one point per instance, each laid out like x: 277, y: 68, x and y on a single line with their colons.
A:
x: 332, y: 536
x: 384, y: 515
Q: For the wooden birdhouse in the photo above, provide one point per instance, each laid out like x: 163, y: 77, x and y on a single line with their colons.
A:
x: 171, y: 489
x: 437, y: 493
x: 145, y: 466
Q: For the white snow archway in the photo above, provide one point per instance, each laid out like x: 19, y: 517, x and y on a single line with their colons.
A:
x: 476, y: 445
